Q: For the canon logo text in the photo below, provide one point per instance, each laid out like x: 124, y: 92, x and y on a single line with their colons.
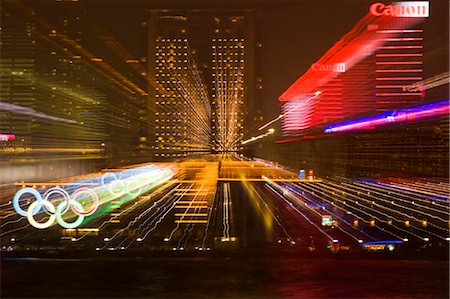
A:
x: 418, y: 9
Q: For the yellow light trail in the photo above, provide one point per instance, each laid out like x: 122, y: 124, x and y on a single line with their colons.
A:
x: 191, y: 221
x: 191, y: 214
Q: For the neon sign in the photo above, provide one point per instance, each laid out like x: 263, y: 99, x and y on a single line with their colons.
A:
x: 7, y: 137
x: 418, y: 9
x: 397, y: 116
x: 335, y: 67
x: 129, y: 182
x: 327, y: 220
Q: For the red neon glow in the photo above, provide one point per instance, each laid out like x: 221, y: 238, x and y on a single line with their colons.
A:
x: 401, y: 47
x: 400, y: 55
x: 401, y: 31
x: 389, y: 86
x: 400, y: 71
x: 7, y: 137
x: 396, y: 94
x: 397, y: 39
x: 417, y: 9
x: 399, y: 78
x: 398, y: 62
x: 372, y: 43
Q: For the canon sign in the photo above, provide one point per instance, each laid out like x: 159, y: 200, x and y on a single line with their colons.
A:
x: 418, y: 9
x: 335, y: 67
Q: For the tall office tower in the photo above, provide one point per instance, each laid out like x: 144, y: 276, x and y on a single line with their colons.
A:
x: 228, y: 84
x: 203, y: 67
x: 71, y: 106
x: 182, y: 107
x: 53, y: 134
x: 17, y: 64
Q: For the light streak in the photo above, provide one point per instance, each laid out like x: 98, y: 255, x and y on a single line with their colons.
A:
x: 435, y: 81
x: 397, y: 116
x: 269, y: 132
x: 336, y: 196
x: 286, y: 194
x: 31, y: 112
x: 301, y: 101
x: 366, y: 213
x: 228, y: 93
x: 141, y: 178
x: 226, y: 212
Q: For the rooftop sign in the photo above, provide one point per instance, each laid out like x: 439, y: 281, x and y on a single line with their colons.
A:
x: 417, y: 9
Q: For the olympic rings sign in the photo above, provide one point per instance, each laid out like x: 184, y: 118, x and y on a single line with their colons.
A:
x: 56, y: 213
x: 131, y: 182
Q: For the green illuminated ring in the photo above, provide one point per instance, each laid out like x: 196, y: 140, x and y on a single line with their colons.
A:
x: 62, y: 222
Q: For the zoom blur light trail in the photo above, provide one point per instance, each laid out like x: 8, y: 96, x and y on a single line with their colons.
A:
x: 126, y: 184
x: 397, y: 116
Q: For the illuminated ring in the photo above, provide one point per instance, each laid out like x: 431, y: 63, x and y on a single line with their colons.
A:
x: 75, y: 206
x: 151, y: 176
x: 59, y: 213
x: 17, y: 196
x: 102, y: 178
x: 122, y: 189
x: 127, y: 188
x: 59, y: 191
x: 41, y: 225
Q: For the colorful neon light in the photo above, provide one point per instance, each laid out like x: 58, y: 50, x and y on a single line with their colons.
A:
x: 416, y: 9
x: 397, y: 116
x: 132, y: 182
x: 7, y: 137
x: 379, y: 49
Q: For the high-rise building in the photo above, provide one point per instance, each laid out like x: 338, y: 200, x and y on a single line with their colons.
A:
x: 71, y: 108
x: 203, y: 64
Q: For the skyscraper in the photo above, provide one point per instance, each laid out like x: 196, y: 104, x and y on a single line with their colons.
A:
x: 71, y: 108
x: 202, y: 61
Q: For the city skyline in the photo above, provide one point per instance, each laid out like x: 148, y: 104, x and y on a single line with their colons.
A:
x: 222, y: 149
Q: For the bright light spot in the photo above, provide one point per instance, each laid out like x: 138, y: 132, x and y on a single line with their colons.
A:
x: 73, y: 239
x: 271, y: 130
x: 335, y: 241
x: 166, y: 239
x: 111, y: 248
x: 426, y: 239
x: 174, y: 249
x: 447, y: 239
x: 391, y: 247
x: 360, y: 241
x: 139, y: 239
x: 106, y: 239
x: 405, y: 240
x: 13, y: 239
x: 98, y: 248
x: 122, y: 248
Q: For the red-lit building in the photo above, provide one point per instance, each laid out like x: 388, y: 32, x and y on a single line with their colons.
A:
x: 366, y: 72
